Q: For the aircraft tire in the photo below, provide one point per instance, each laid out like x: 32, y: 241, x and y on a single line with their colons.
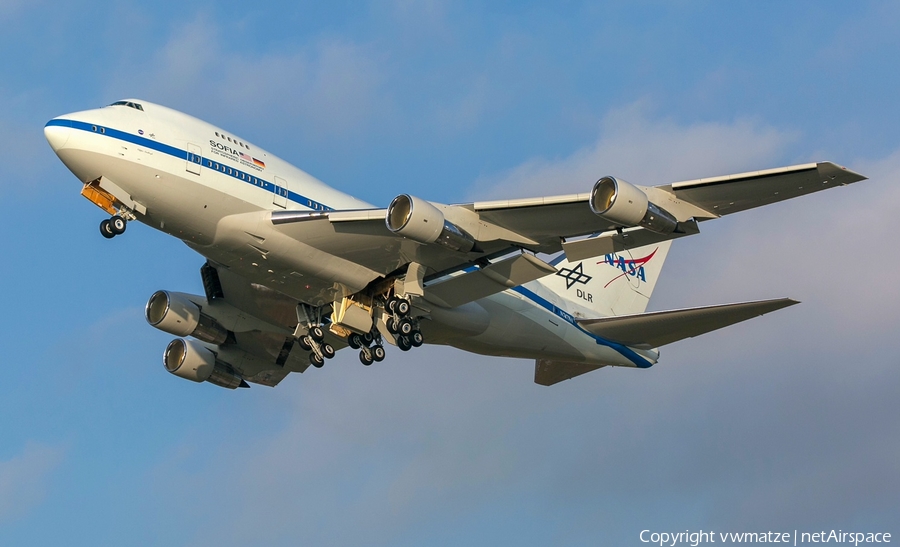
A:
x: 365, y: 360
x: 403, y: 343
x: 317, y: 334
x: 402, y: 307
x: 416, y: 339
x: 353, y: 341
x: 304, y: 343
x: 117, y: 225
x: 106, y: 229
x: 405, y: 327
x: 315, y: 360
x: 327, y: 351
x: 378, y: 353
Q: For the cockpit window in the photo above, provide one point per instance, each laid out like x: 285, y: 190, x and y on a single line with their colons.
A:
x: 129, y: 104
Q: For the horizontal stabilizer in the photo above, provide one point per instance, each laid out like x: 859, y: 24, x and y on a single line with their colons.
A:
x: 483, y: 282
x: 655, y: 329
x: 547, y: 373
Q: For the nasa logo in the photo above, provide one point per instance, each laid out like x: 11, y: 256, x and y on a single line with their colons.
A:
x: 633, y: 267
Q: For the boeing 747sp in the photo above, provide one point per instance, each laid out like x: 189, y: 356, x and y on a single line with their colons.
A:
x: 295, y: 270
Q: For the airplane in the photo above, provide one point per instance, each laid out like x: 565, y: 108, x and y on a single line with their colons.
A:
x: 296, y: 270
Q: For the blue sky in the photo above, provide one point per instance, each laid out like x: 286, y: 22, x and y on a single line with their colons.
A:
x: 782, y: 423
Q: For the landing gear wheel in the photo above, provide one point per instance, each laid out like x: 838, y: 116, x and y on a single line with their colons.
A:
x: 378, y: 353
x: 354, y: 341
x: 117, y: 225
x: 327, y: 351
x: 317, y: 334
x: 391, y: 303
x: 416, y: 339
x: 368, y: 338
x: 315, y: 360
x: 106, y: 229
x: 392, y: 326
x: 365, y: 358
x: 304, y: 343
x: 403, y: 343
x: 401, y: 307
x: 405, y: 327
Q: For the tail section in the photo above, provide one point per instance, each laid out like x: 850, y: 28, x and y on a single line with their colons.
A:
x: 613, y: 284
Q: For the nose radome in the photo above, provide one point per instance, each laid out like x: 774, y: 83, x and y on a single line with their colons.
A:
x: 57, y: 133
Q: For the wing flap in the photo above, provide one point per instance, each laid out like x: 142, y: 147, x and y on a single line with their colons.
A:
x: 616, y: 242
x: 655, y: 329
x: 486, y: 281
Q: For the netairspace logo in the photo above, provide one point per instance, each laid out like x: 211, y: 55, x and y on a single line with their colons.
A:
x: 694, y: 539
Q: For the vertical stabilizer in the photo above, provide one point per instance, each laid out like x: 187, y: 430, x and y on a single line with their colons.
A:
x: 613, y: 284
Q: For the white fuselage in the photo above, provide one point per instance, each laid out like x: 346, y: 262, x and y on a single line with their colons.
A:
x: 185, y: 176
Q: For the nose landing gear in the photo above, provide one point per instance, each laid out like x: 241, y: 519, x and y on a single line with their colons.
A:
x: 113, y: 227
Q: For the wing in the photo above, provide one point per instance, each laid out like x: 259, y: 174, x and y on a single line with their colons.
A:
x: 261, y: 345
x: 734, y: 193
x: 315, y: 256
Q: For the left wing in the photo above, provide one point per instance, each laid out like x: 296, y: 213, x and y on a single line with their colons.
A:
x: 304, y: 254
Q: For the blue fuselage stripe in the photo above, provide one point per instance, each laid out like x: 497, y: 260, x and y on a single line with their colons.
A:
x: 627, y: 352
x: 178, y: 153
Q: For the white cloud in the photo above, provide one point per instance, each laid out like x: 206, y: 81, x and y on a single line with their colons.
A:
x: 23, y: 479
x: 644, y: 151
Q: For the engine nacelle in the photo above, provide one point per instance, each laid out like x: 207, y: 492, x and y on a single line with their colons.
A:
x: 176, y: 314
x: 193, y: 361
x: 421, y: 221
x: 627, y: 205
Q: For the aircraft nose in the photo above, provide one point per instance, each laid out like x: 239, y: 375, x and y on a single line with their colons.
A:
x: 57, y: 133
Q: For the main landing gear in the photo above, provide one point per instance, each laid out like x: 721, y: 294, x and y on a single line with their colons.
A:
x: 402, y: 325
x: 401, y: 322
x: 113, y: 227
x: 315, y: 343
x: 370, y: 346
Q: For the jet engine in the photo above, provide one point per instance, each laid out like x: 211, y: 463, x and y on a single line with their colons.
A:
x: 193, y: 361
x: 627, y: 205
x: 419, y: 220
x: 176, y: 314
